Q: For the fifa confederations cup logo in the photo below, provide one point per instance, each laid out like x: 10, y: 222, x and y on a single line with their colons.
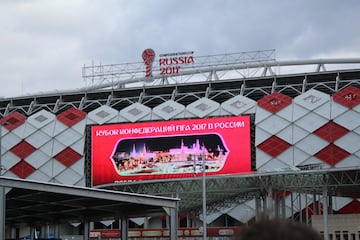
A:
x: 148, y: 57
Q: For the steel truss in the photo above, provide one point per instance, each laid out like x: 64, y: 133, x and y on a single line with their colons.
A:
x: 222, y: 191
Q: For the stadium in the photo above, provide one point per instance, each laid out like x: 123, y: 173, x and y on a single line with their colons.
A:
x: 179, y: 146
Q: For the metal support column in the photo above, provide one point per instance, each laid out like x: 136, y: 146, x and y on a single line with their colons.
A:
x: 86, y: 229
x: 2, y: 211
x: 173, y: 223
x: 124, y: 226
x: 325, y: 213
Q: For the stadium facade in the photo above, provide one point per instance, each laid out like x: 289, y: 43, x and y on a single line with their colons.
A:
x: 304, y: 134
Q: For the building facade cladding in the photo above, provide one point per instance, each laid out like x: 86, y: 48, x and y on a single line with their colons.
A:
x: 312, y: 130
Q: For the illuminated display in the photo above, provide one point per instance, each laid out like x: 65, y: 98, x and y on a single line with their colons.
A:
x: 170, y: 149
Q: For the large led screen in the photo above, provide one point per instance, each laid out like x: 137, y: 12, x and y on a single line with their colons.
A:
x: 170, y: 149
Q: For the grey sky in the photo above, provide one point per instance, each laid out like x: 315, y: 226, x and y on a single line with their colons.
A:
x: 44, y: 44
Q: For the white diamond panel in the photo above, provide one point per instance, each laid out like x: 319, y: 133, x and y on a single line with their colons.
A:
x: 41, y: 119
x: 38, y: 138
x: 103, y: 114
x: 261, y: 115
x: 312, y: 99
x: 300, y: 157
x: 37, y: 159
x: 203, y: 107
x: 68, y: 137
x: 68, y: 176
x: 169, y: 109
x: 39, y: 176
x: 348, y: 162
x: 273, y: 124
x: 260, y: 136
x: 135, y: 112
x: 10, y: 140
x: 311, y: 122
x: 350, y: 142
x: 349, y: 120
x: 24, y: 130
x: 238, y: 105
x: 311, y: 144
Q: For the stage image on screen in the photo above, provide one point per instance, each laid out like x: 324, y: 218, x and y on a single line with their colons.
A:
x: 141, y: 151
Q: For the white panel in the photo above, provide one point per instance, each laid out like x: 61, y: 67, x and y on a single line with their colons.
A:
x: 103, y: 114
x: 41, y: 118
x: 238, y: 104
x: 349, y: 120
x: 273, y: 124
x: 316, y: 161
x: 340, y: 202
x: 337, y: 109
x: 350, y: 142
x: 292, y: 134
x: 274, y: 165
x: 261, y: 114
x: 168, y: 109
x: 242, y: 213
x: 49, y: 129
x: 311, y: 144
x: 38, y: 138
x: 349, y: 161
x: 8, y: 160
x: 261, y: 135
x: 79, y: 146
x: 68, y: 176
x: 10, y: 140
x: 57, y: 168
x: 311, y: 122
x: 261, y: 158
x: 287, y: 156
x: 300, y: 157
x: 80, y: 126
x: 37, y: 159
x: 39, y: 176
x: 312, y: 99
x: 324, y: 111
x: 55, y: 147
x: 24, y: 130
x: 59, y: 127
x: 203, y: 107
x: 79, y: 166
x: 286, y: 113
x: 135, y: 112
x: 68, y: 137
x: 299, y: 112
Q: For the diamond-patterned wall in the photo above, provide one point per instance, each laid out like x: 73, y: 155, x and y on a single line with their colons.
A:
x: 313, y: 129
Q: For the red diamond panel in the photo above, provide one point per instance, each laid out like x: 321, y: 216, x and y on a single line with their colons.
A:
x: 23, y: 149
x: 71, y: 116
x: 68, y: 157
x: 348, y: 97
x: 274, y: 146
x: 310, y: 209
x: 331, y: 131
x: 352, y: 208
x: 22, y: 169
x: 12, y: 120
x: 332, y: 154
x: 274, y: 102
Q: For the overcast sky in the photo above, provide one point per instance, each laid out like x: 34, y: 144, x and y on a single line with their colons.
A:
x: 45, y: 43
